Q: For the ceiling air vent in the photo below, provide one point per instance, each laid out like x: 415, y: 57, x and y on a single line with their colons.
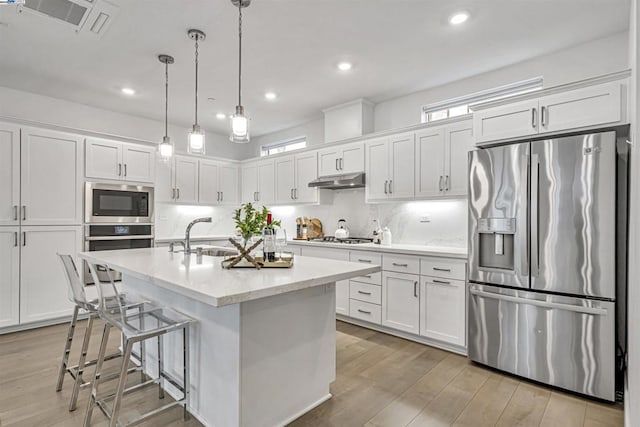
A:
x: 63, y: 10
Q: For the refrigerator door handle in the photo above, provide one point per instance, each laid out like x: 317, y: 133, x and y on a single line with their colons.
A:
x: 543, y: 304
x: 535, y: 190
x: 524, y: 242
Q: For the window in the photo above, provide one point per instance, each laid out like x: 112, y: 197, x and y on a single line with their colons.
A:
x: 463, y: 105
x: 284, y: 146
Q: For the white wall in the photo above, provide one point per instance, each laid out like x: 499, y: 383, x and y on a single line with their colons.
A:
x: 41, y: 109
x: 587, y: 60
x: 632, y: 396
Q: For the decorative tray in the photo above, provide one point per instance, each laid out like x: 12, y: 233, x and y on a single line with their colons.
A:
x: 286, y: 262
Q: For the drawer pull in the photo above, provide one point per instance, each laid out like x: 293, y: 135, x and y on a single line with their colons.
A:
x: 415, y: 289
x: 446, y: 270
x: 364, y: 260
x: 364, y: 311
x: 364, y: 293
x: 368, y: 276
x: 400, y: 265
x: 441, y: 282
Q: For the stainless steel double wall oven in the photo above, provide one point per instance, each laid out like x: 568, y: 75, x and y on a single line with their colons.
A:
x: 547, y: 251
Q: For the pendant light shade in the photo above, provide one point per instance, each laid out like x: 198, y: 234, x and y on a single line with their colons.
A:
x: 240, y: 122
x: 166, y: 147
x: 196, y: 136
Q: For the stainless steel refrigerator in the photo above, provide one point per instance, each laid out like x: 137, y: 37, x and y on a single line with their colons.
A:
x: 544, y: 251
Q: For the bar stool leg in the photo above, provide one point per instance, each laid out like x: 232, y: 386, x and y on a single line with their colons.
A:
x: 94, y: 387
x: 81, y: 362
x: 185, y: 371
x: 67, y: 348
x: 122, y: 382
x: 160, y: 366
x: 143, y: 355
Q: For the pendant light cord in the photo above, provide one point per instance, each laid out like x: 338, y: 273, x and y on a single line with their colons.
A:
x: 166, y: 99
x: 197, y: 38
x: 239, y: 52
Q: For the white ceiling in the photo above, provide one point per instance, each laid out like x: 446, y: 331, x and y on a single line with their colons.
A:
x: 291, y: 47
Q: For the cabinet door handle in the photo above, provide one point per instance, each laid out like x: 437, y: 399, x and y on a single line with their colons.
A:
x: 222, y: 196
x: 400, y: 265
x: 441, y: 282
x: 177, y: 193
x: 341, y: 163
x: 446, y: 183
x: 415, y: 289
x: 24, y: 238
x: 119, y: 169
x: 217, y: 196
x: 534, y: 117
x: 24, y: 212
x: 15, y: 239
x: 385, y: 187
x: 390, y: 186
x: 291, y: 194
x: 337, y: 167
x: 364, y: 293
x: 15, y: 212
x: 543, y: 115
x: 364, y: 311
x: 440, y: 184
x: 447, y: 270
x: 364, y: 260
x: 125, y: 169
x: 173, y: 194
x: 295, y: 193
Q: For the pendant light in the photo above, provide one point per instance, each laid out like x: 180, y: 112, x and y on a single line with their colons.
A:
x: 196, y: 136
x: 166, y: 147
x: 240, y: 122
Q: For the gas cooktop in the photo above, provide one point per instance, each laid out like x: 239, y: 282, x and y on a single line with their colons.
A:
x: 348, y: 240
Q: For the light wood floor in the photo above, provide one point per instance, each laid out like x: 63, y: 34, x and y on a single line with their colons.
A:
x: 381, y: 381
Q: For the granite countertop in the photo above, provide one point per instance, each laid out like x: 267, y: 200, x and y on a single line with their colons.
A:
x: 407, y: 249
x: 208, y: 282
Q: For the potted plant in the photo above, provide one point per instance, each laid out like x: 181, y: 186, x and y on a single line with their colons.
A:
x: 250, y: 222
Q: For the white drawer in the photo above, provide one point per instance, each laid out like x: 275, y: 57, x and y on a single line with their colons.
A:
x: 365, y: 257
x: 442, y: 267
x: 401, y: 264
x: 365, y: 292
x: 373, y: 278
x: 365, y: 311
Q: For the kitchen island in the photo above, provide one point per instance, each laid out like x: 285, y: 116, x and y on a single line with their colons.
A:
x: 263, y: 346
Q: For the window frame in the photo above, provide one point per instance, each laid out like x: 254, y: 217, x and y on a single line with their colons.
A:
x: 264, y: 149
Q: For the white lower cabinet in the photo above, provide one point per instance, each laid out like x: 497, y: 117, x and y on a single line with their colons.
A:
x: 43, y: 285
x: 401, y: 301
x: 365, y: 311
x: 442, y: 308
x: 9, y: 277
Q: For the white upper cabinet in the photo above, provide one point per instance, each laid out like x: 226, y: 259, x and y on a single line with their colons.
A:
x: 9, y: 276
x: 164, y: 183
x: 441, y: 160
x: 118, y: 161
x: 583, y: 107
x: 390, y: 168
x: 589, y: 106
x: 430, y: 146
x: 51, y: 175
x: 342, y: 159
x: 138, y: 163
x: 258, y: 182
x: 218, y: 183
x: 9, y: 175
x: 293, y: 174
x: 186, y: 180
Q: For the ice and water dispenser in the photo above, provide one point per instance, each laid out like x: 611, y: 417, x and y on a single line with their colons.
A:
x: 496, y: 243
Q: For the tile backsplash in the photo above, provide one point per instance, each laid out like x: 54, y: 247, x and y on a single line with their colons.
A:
x: 434, y: 222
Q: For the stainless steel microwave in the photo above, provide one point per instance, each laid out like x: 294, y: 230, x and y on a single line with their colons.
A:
x: 118, y: 203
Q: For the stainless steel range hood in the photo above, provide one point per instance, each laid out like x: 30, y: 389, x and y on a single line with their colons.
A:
x: 339, y: 182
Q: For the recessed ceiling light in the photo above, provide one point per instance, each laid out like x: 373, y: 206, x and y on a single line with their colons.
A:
x: 345, y: 66
x: 271, y: 96
x: 128, y: 91
x: 458, y: 18
x: 221, y: 116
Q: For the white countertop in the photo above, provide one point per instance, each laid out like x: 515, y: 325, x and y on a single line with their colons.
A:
x: 424, y: 250
x: 208, y: 282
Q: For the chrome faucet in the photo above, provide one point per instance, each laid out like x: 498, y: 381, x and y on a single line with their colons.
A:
x: 187, y: 234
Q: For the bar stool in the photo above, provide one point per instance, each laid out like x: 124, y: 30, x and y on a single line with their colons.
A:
x: 149, y: 321
x: 78, y: 296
